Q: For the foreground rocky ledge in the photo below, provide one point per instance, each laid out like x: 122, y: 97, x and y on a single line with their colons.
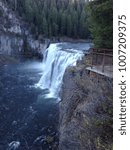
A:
x: 85, y: 111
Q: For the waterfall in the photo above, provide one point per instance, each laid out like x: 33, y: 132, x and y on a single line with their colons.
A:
x: 56, y: 60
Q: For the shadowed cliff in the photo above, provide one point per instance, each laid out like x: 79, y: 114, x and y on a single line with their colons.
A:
x: 85, y: 111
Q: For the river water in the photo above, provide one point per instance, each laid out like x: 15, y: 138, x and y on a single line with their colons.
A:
x: 29, y: 95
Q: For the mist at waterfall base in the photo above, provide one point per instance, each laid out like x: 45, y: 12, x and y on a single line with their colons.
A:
x: 28, y: 98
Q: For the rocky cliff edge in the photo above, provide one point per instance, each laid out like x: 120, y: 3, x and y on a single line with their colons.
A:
x: 85, y: 111
x: 15, y: 37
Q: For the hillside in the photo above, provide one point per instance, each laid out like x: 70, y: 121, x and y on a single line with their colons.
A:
x: 54, y: 18
x: 15, y: 37
x: 86, y: 111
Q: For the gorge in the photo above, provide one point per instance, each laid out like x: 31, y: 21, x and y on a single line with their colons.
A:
x: 32, y: 118
x: 48, y: 98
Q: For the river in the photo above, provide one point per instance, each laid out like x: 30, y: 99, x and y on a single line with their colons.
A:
x: 29, y: 96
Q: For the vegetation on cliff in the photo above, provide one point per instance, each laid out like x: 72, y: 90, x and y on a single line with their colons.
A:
x: 70, y: 18
x: 54, y: 18
x: 100, y: 17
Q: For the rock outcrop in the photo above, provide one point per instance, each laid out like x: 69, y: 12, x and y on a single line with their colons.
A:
x: 15, y: 37
x: 85, y: 111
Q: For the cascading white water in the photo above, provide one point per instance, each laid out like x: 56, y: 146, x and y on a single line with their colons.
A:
x: 55, y: 62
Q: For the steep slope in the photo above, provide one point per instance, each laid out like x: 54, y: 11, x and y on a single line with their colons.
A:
x: 15, y: 38
x: 85, y: 111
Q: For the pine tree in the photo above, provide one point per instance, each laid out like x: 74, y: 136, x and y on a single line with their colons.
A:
x: 63, y: 24
x: 100, y: 21
x: 44, y: 26
x: 54, y: 17
x: 69, y: 25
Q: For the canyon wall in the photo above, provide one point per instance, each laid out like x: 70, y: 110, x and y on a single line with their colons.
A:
x: 85, y: 111
x: 15, y: 37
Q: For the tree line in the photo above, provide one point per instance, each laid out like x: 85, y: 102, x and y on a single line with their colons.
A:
x: 72, y: 18
x: 54, y: 17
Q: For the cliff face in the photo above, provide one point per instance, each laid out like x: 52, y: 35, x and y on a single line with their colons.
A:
x: 15, y: 38
x: 85, y: 111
